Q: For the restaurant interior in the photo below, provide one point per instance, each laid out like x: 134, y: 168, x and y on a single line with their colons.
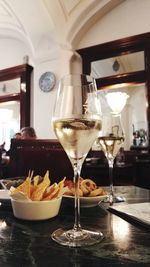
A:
x: 119, y: 62
x: 40, y: 42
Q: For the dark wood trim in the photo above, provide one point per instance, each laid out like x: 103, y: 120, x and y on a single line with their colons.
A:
x: 24, y: 73
x: 14, y: 72
x: 122, y: 46
x: 7, y: 98
x: 147, y: 68
x: 132, y: 77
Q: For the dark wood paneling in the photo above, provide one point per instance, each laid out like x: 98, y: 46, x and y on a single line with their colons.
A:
x: 24, y: 73
x: 39, y: 155
x: 46, y: 154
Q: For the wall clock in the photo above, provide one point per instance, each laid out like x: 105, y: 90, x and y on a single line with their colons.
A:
x: 47, y: 81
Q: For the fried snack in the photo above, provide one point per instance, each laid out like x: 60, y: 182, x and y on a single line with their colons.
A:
x: 71, y: 192
x: 61, y: 183
x: 54, y: 190
x: 87, y: 188
x: 69, y: 183
x: 80, y: 192
x: 37, y: 194
x: 51, y: 192
x: 23, y: 188
x: 97, y: 192
x: 70, y: 188
x: 36, y: 180
x: 35, y: 189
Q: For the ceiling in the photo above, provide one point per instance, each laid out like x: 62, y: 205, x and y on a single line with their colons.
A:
x: 44, y: 24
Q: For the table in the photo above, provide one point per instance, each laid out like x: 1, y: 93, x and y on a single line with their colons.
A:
x: 26, y: 244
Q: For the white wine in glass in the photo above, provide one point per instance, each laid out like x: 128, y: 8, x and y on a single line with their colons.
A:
x: 77, y: 122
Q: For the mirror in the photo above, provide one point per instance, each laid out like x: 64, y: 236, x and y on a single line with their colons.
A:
x: 9, y: 121
x: 124, y: 65
x: 10, y: 87
x: 133, y: 115
x: 15, y: 85
x: 117, y: 65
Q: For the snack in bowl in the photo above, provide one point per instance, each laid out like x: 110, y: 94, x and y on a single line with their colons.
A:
x: 34, y: 200
x: 87, y: 188
x: 90, y: 194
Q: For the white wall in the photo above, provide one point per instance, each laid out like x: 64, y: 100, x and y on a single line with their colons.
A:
x: 43, y: 102
x: 129, y: 18
x: 12, y: 52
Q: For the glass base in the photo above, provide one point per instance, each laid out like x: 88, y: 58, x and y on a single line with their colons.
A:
x: 114, y: 199
x: 80, y: 238
x: 117, y: 199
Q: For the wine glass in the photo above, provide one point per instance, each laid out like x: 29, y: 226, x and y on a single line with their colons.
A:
x: 112, y: 136
x: 77, y: 122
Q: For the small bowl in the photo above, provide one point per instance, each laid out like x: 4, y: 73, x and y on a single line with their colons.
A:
x: 88, y: 202
x: 36, y: 210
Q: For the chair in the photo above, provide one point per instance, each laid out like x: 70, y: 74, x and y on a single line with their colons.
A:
x: 39, y: 155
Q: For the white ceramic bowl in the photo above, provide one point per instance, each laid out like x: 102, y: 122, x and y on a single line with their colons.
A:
x: 87, y: 202
x: 36, y: 210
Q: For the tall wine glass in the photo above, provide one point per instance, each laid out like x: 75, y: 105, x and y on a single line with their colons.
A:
x: 77, y: 122
x: 112, y: 135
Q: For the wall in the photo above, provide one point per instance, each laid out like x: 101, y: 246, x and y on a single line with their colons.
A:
x: 43, y: 102
x: 12, y: 52
x: 129, y: 18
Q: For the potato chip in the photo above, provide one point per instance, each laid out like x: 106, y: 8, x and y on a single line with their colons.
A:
x: 61, y: 187
x: 53, y: 192
x: 23, y: 188
x: 36, y: 180
x: 61, y: 183
x: 49, y: 190
x: 40, y: 188
x: 33, y: 189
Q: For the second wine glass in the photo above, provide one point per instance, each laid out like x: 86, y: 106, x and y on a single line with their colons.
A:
x: 112, y: 136
x: 111, y: 140
x: 76, y: 123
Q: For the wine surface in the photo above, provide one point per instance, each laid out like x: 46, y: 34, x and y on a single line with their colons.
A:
x: 77, y: 136
x: 110, y: 145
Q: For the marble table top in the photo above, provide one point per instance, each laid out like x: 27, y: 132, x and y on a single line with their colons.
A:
x: 29, y: 243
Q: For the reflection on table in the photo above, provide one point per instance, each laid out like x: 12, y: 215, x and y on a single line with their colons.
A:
x: 26, y: 243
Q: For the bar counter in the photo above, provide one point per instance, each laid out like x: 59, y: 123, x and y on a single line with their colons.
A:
x: 26, y: 243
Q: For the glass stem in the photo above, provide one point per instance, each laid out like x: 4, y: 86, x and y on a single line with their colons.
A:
x: 77, y: 171
x: 111, y: 163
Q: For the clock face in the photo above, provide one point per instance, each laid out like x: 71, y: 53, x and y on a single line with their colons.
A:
x: 47, y: 81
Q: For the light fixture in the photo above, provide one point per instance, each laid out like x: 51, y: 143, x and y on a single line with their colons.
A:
x: 116, y: 65
x: 116, y: 101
